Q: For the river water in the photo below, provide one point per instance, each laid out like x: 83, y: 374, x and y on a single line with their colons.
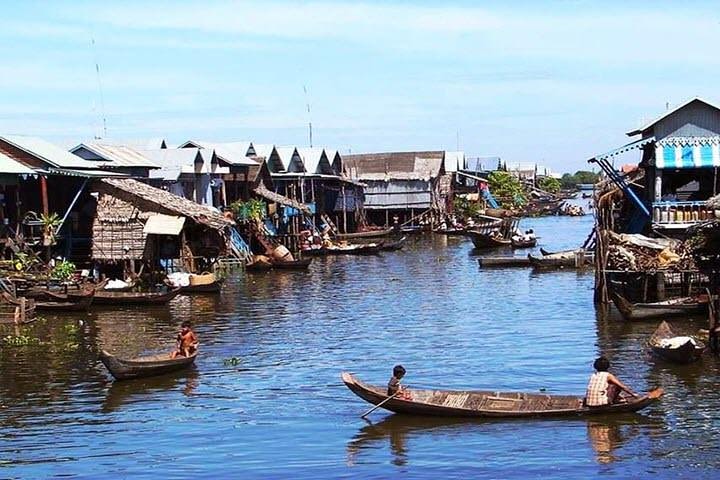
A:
x: 279, y: 410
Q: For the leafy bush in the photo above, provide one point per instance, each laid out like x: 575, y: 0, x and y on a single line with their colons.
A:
x: 549, y: 184
x: 506, y: 188
x: 251, y: 210
x: 581, y: 176
x: 62, y: 270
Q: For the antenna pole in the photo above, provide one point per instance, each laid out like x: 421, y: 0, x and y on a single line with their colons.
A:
x: 307, y: 105
x: 100, y: 89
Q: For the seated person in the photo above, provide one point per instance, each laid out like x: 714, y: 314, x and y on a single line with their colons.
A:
x: 394, y: 386
x: 604, y: 388
x: 187, y: 341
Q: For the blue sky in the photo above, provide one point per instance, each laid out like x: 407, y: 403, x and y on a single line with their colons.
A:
x: 548, y: 82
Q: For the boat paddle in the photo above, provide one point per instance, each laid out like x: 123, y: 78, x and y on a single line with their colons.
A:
x: 381, y: 404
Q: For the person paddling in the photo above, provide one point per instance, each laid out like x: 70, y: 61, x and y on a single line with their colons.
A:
x: 187, y: 341
x: 604, y: 388
x: 394, y: 387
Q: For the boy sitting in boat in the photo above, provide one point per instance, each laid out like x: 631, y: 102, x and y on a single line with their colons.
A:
x: 604, y: 388
x: 394, y: 386
x: 187, y: 341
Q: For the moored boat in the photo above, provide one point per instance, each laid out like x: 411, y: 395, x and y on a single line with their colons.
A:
x: 666, y: 308
x: 105, y: 297
x: 523, y: 242
x: 355, y: 249
x: 213, y: 287
x: 487, y: 240
x: 393, y: 246
x: 451, y: 403
x: 140, y: 367
x: 366, y: 234
x: 292, y: 265
x: 679, y: 349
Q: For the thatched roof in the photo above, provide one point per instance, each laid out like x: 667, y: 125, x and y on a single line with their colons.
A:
x: 394, y: 165
x: 162, y: 201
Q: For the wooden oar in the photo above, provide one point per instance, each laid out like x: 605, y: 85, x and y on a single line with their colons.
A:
x: 380, y: 404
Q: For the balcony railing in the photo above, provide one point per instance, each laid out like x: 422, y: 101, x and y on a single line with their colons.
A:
x: 671, y: 214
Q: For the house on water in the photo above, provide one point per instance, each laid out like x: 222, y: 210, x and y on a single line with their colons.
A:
x: 402, y: 184
x: 661, y: 198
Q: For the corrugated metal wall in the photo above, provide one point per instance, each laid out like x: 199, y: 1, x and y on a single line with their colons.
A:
x: 397, y: 194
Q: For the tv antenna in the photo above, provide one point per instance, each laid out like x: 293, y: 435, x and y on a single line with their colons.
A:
x: 307, y: 105
x: 100, y: 91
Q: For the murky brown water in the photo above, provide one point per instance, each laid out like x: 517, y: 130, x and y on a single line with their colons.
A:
x: 282, y: 412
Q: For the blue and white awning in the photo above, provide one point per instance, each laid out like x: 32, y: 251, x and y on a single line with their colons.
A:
x: 688, y: 152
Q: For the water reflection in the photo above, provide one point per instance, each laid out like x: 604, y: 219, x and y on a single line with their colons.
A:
x: 122, y: 393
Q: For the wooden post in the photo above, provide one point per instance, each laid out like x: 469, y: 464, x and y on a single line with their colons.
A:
x: 387, y: 218
x: 344, y: 210
x: 660, y: 286
x: 44, y: 194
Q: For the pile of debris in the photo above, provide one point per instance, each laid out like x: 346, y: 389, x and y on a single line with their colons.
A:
x: 644, y: 254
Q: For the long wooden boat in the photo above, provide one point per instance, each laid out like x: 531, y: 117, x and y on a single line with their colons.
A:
x: 450, y: 231
x: 105, y: 297
x: 393, y: 246
x: 486, y: 240
x: 303, y: 264
x: 451, y: 403
x: 368, y: 234
x: 551, y: 262
x: 140, y: 367
x: 524, y: 243
x: 213, y: 287
x: 70, y: 305
x: 503, y: 262
x: 668, y: 308
x: 356, y: 249
x: 683, y: 350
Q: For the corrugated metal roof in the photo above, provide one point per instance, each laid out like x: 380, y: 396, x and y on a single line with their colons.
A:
x: 454, y: 161
x: 670, y: 112
x: 315, y: 160
x: 118, y: 155
x: 289, y: 157
x: 48, y: 152
x: 172, y: 161
x: 10, y: 165
x: 391, y: 163
x: 137, y: 143
x: 233, y: 153
x: 263, y: 150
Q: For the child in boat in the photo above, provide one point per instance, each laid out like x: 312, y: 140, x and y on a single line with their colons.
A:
x: 604, y: 388
x: 394, y: 384
x: 187, y: 341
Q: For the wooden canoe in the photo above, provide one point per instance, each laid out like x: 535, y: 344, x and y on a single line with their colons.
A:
x: 668, y: 308
x: 551, y: 262
x: 686, y: 352
x: 356, y: 249
x: 140, y: 367
x: 80, y: 304
x: 105, y: 297
x: 213, y: 287
x: 450, y: 231
x: 485, y: 240
x: 490, y: 404
x: 524, y: 243
x: 503, y: 262
x: 303, y: 264
x: 393, y: 246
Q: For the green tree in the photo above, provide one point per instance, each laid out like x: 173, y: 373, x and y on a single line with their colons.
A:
x: 549, y: 184
x: 506, y: 188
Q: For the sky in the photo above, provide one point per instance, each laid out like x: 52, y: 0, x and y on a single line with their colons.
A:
x: 539, y: 82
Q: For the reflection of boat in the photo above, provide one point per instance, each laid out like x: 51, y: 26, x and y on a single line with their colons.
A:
x: 392, y: 246
x: 667, y: 308
x: 668, y: 346
x: 104, y: 297
x: 122, y: 393
x: 489, y: 404
x: 150, y: 366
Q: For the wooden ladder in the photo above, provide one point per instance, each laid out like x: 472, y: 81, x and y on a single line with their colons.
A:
x: 333, y: 228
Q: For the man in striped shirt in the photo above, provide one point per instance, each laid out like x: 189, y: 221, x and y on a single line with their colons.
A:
x: 604, y: 388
